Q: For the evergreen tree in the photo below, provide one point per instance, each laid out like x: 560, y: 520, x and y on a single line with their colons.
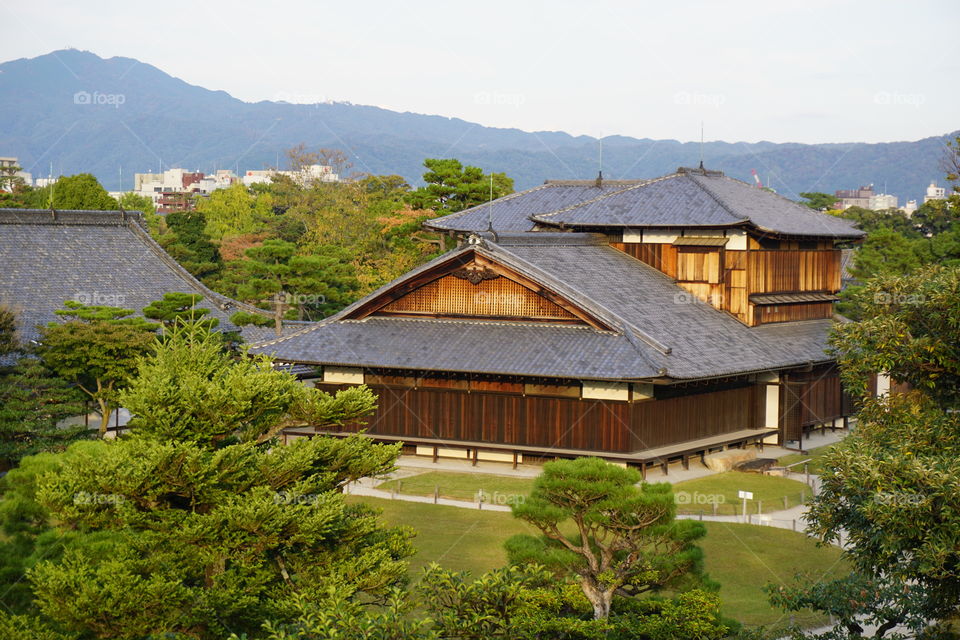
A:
x: 32, y: 402
x: 625, y: 538
x: 212, y: 526
x: 96, y: 349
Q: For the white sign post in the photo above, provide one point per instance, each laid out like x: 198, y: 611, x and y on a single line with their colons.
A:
x: 745, y: 495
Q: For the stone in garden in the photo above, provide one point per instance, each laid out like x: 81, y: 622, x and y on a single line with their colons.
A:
x: 727, y: 460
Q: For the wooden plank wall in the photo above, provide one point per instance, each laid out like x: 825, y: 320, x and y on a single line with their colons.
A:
x: 683, y: 418
x: 497, y: 298
x: 764, y: 314
x: 662, y: 257
x: 772, y: 271
x: 567, y: 423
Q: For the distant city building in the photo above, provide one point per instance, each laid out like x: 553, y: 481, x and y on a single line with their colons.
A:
x: 935, y: 193
x: 847, y: 198
x: 307, y: 175
x: 883, y: 201
x: 173, y: 189
x: 7, y: 162
x: 910, y: 207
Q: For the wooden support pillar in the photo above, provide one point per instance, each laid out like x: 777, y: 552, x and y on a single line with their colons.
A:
x: 475, y: 451
x: 686, y: 461
x: 514, y: 459
x: 436, y: 455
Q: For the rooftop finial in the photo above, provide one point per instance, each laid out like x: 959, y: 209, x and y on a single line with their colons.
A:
x: 701, y: 145
x: 599, y: 182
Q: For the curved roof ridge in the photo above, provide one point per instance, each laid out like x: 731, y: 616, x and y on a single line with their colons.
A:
x: 537, y: 217
x: 475, y: 208
x: 592, y: 305
x: 724, y: 204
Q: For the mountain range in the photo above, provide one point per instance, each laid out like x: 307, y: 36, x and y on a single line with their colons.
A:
x: 72, y: 111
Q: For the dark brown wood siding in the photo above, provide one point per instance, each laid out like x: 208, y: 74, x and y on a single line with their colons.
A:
x: 689, y: 417
x: 765, y: 314
x: 558, y: 422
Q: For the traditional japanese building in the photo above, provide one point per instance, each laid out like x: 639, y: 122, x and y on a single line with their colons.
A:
x: 642, y: 321
x: 94, y: 257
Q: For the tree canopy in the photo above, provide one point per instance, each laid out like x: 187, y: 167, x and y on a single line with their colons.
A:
x: 625, y: 540
x: 452, y: 187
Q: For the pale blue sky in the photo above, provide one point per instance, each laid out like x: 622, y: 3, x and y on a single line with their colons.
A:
x: 804, y: 71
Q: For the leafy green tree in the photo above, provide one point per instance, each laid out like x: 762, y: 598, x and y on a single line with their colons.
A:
x: 818, y: 200
x: 453, y: 187
x: 869, y: 220
x: 131, y: 201
x: 213, y: 527
x: 857, y: 602
x: 884, y: 251
x: 936, y: 216
x: 96, y: 349
x: 890, y: 488
x: 336, y: 617
x: 303, y: 285
x: 82, y: 191
x: 190, y: 244
x: 32, y: 403
x: 626, y: 538
x: 234, y: 211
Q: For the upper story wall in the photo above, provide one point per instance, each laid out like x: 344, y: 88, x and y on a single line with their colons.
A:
x: 739, y: 272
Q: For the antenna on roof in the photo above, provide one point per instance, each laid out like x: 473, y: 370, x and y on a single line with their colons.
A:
x: 496, y: 238
x: 599, y: 182
x: 701, y: 145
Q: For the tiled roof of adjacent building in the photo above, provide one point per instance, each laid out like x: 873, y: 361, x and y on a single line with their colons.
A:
x: 512, y: 212
x: 96, y: 257
x: 658, y: 330
x: 687, y: 198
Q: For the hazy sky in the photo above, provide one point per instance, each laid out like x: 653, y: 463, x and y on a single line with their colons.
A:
x: 804, y: 71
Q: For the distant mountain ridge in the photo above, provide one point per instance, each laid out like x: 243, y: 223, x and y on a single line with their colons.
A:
x: 85, y: 113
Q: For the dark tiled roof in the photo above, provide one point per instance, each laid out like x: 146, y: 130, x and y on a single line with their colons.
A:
x: 694, y: 198
x: 512, y: 212
x: 104, y: 257
x: 658, y: 329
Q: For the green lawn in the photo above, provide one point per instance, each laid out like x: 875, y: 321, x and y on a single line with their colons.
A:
x: 693, y: 496
x: 462, y: 486
x: 742, y: 558
x: 814, y: 455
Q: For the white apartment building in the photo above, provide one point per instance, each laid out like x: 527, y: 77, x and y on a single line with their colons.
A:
x: 935, y: 193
